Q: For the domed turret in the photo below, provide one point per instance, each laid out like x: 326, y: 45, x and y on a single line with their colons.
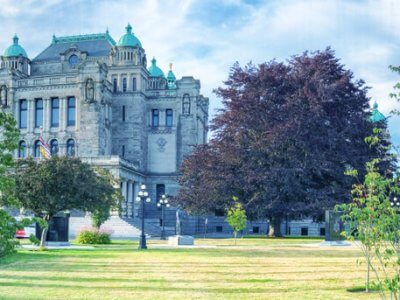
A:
x: 154, y: 70
x: 129, y: 39
x: 15, y: 49
x: 15, y: 58
x: 376, y: 115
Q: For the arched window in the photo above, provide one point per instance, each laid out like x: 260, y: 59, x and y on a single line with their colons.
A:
x: 54, y: 147
x: 124, y: 84
x: 70, y: 147
x: 115, y: 85
x: 36, y: 150
x: 22, y: 149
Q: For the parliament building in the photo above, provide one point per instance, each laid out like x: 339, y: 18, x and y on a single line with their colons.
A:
x: 101, y: 100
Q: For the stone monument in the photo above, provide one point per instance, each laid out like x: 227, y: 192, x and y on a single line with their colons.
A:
x: 333, y: 228
x: 179, y: 239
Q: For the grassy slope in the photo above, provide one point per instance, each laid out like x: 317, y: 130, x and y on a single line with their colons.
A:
x: 255, y: 269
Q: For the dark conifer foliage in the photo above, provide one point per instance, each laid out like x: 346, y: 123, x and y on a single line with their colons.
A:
x: 286, y: 134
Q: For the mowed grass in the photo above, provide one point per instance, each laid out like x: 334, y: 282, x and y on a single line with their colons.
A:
x: 254, y: 269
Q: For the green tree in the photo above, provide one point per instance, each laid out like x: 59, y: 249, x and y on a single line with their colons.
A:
x: 49, y: 187
x: 102, y: 212
x: 236, y: 217
x: 373, y: 222
x: 9, y: 135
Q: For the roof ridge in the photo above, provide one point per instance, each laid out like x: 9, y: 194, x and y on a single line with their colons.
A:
x: 83, y: 37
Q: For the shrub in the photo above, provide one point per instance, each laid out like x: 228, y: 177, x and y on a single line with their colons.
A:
x: 92, y: 235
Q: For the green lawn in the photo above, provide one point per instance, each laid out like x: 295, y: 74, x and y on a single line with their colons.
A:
x: 254, y: 269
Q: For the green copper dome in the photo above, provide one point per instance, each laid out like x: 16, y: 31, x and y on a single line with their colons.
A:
x: 171, y: 79
x: 376, y: 115
x: 129, y: 39
x: 171, y: 75
x: 154, y: 70
x: 15, y: 50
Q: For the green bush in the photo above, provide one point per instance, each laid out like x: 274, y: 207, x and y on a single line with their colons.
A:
x: 8, y: 226
x: 94, y: 236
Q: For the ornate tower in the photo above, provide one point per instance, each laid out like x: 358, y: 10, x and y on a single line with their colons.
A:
x: 128, y: 50
x: 15, y: 58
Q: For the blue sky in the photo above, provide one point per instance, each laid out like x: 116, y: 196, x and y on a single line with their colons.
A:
x: 204, y: 38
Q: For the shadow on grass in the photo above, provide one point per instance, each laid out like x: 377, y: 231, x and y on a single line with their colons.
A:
x: 143, y: 288
x: 66, y: 279
x: 361, y: 289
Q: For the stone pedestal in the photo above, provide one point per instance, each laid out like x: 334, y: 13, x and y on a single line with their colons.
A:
x: 181, y: 240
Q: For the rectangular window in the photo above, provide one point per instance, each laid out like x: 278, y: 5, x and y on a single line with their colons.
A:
x: 55, y: 112
x: 71, y: 111
x: 23, y: 114
x: 123, y: 113
x: 218, y: 228
x: 133, y: 84
x: 155, y: 118
x: 168, y: 118
x: 123, y: 151
x: 160, y: 190
x: 124, y: 85
x: 304, y: 231
x: 38, y: 113
x: 256, y: 229
x: 322, y: 231
x: 115, y: 85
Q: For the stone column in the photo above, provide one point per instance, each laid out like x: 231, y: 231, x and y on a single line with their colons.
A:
x: 129, y: 82
x: 130, y: 199
x: 136, y: 204
x: 119, y: 87
x: 162, y: 117
x: 46, y: 114
x: 124, y: 194
x: 31, y: 115
x: 63, y: 114
x: 17, y: 107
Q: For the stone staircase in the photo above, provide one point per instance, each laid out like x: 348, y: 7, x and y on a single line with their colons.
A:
x: 121, y: 228
x: 152, y: 226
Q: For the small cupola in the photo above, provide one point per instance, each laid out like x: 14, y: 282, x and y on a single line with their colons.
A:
x: 154, y: 70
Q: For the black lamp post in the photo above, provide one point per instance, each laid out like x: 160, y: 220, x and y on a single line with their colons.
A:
x: 163, y: 202
x: 143, y: 196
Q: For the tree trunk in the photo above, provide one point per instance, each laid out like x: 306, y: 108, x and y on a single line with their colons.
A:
x: 367, y: 278
x: 44, y: 233
x: 43, y: 238
x: 235, y: 235
x: 275, y: 227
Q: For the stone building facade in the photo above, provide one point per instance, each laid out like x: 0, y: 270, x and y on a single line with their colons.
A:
x: 98, y: 99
